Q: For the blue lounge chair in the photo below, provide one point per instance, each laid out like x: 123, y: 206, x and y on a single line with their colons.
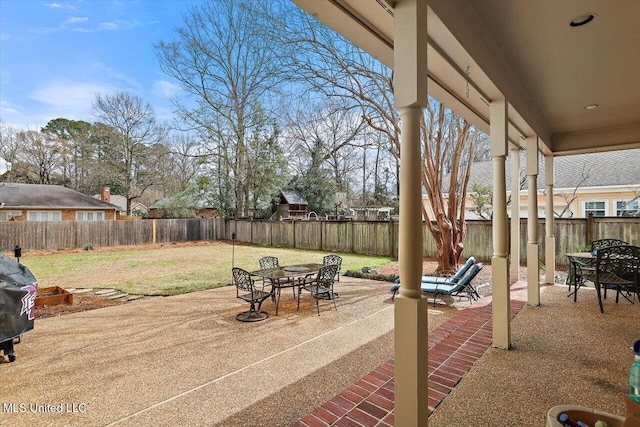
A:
x: 463, y: 286
x: 453, y: 279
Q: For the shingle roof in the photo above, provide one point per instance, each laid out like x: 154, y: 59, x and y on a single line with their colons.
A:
x: 611, y: 168
x: 293, y: 197
x: 47, y: 196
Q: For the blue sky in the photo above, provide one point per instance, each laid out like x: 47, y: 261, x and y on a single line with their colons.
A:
x: 55, y: 55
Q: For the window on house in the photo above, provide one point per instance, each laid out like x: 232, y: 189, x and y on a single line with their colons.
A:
x: 628, y: 208
x: 595, y: 208
x: 7, y: 215
x: 89, y: 216
x: 44, y: 216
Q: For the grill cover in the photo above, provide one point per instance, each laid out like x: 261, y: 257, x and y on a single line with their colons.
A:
x: 17, y: 299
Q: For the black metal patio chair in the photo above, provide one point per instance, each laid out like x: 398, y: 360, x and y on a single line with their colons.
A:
x: 603, y: 243
x: 276, y: 284
x: 320, y: 286
x: 246, y: 290
x: 333, y: 259
x: 616, y: 267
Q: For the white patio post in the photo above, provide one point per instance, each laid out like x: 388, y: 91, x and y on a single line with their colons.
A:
x: 549, y: 226
x: 515, y: 213
x: 410, y: 70
x: 500, y: 259
x: 533, y: 271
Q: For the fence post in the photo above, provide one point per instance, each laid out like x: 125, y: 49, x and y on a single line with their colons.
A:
x: 353, y: 237
x: 590, y: 226
x: 390, y: 236
x: 153, y: 231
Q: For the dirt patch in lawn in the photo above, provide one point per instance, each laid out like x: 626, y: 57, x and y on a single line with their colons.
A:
x: 80, y: 303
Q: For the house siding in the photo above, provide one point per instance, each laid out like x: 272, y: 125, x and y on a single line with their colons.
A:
x: 67, y: 214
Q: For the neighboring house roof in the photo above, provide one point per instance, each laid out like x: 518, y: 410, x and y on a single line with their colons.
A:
x: 293, y: 197
x: 40, y: 196
x: 611, y: 168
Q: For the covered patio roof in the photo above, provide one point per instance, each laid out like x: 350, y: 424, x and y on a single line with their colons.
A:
x: 526, y: 51
x: 550, y: 77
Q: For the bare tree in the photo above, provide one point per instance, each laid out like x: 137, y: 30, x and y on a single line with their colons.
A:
x: 185, y: 161
x: 335, y: 68
x: 135, y: 127
x: 41, y: 150
x: 8, y: 147
x: 228, y: 71
x: 339, y: 132
x: 564, y: 209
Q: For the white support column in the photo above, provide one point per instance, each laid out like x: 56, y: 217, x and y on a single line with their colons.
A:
x: 410, y: 70
x: 500, y: 260
x: 549, y: 227
x: 515, y: 214
x: 533, y: 271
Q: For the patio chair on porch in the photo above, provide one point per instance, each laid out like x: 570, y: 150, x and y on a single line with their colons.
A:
x: 453, y: 279
x: 616, y: 267
x: 320, y: 286
x: 444, y: 280
x: 246, y: 290
x: 603, y: 243
x: 463, y: 287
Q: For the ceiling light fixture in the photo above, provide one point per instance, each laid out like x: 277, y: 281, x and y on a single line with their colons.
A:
x: 582, y: 19
x: 591, y: 106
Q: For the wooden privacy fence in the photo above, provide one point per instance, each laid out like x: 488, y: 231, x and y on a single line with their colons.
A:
x: 53, y: 235
x: 380, y: 237
x: 364, y: 237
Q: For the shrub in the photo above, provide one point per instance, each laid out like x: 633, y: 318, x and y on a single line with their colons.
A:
x: 371, y: 276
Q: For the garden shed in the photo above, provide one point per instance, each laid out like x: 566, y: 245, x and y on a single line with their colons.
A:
x: 292, y: 205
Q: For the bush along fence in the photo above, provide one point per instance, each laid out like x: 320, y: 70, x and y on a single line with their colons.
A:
x: 364, y: 237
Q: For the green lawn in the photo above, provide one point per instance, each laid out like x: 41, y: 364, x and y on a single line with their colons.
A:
x: 170, y: 269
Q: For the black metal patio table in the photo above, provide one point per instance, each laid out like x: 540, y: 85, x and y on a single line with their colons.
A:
x: 577, y: 260
x: 285, y: 277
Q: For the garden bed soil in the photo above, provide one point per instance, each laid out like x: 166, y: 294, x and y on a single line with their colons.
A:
x: 80, y: 303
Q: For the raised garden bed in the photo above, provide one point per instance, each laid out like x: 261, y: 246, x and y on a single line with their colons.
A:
x: 53, y: 295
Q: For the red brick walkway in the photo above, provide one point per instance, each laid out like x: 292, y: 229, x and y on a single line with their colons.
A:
x: 454, y: 347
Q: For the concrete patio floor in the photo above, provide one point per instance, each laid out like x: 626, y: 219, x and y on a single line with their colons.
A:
x: 185, y: 360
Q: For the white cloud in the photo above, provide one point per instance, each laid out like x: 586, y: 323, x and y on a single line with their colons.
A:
x: 166, y: 88
x: 65, y: 6
x: 71, y: 100
x: 76, y: 19
x: 112, y: 74
x: 108, y: 26
x: 6, y: 108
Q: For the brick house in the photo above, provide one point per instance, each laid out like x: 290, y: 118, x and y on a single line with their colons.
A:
x: 39, y: 202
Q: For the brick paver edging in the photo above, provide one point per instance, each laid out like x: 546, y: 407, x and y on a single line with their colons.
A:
x: 454, y: 347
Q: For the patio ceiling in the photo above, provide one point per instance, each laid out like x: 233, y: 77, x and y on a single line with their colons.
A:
x: 524, y: 50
